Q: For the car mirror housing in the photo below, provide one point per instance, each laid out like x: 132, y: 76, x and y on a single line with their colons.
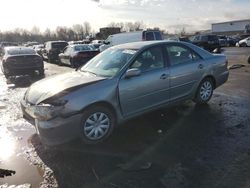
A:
x: 132, y: 72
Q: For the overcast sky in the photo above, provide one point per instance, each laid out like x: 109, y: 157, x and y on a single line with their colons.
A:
x: 171, y: 15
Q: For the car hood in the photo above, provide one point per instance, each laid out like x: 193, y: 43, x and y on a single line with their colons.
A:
x: 62, y: 83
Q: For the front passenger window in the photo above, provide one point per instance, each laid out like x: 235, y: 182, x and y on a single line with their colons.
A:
x: 149, y: 60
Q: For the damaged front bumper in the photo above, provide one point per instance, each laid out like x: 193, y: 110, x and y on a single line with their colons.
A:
x: 56, y: 131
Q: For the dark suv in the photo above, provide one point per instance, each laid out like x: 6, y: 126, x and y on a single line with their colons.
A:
x: 208, y: 42
x: 53, y: 49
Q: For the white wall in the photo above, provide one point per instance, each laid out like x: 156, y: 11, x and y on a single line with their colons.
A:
x: 230, y: 26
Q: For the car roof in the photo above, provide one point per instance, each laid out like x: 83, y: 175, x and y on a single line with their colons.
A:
x: 138, y: 45
x: 59, y: 41
x: 17, y: 48
x: 73, y: 45
x: 144, y: 44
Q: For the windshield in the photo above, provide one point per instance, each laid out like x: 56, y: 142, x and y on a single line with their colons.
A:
x: 109, y: 62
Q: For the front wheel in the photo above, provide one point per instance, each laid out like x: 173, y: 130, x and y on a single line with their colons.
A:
x: 97, y: 124
x: 204, y: 91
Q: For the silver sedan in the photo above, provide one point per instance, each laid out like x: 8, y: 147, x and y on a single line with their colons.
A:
x: 120, y: 83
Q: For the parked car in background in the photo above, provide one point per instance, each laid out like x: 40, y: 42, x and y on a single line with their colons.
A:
x: 244, y: 42
x: 53, y: 49
x: 39, y: 49
x: 31, y: 44
x: 223, y: 41
x: 121, y: 38
x: 232, y: 40
x: 208, y: 42
x: 79, y: 42
x: 120, y: 83
x: 184, y: 39
x: 97, y: 41
x: 95, y: 46
x: 21, y: 61
x: 77, y: 55
x: 6, y: 44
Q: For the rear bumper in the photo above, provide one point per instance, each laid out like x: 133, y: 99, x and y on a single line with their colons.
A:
x: 10, y: 70
x: 222, y: 78
x: 56, y: 131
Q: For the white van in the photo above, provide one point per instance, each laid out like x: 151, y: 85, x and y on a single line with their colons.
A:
x: 136, y: 36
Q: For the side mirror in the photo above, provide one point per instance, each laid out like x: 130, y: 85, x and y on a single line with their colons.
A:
x: 107, y: 43
x: 132, y: 72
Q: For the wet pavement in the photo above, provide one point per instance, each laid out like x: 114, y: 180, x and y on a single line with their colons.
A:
x: 187, y: 146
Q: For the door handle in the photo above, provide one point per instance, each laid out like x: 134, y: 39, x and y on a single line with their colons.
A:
x: 200, y: 66
x: 163, y: 76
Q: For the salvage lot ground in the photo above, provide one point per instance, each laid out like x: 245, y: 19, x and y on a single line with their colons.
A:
x: 187, y: 146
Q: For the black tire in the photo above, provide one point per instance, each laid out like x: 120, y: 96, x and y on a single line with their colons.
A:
x: 248, y: 60
x: 6, y: 76
x: 73, y: 64
x: 107, y: 119
x: 202, y: 96
x: 244, y: 45
x: 50, y: 60
x: 41, y: 72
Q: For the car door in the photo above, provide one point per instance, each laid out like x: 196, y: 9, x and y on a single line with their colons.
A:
x: 150, y: 88
x: 65, y: 56
x: 248, y: 41
x: 186, y: 69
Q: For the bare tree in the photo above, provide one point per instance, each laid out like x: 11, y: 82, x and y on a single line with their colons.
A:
x: 183, y: 31
x: 138, y: 25
x: 86, y: 28
x: 78, y: 29
x: 35, y: 30
x: 61, y: 33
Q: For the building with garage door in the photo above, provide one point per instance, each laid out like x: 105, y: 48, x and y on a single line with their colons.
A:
x: 231, y: 27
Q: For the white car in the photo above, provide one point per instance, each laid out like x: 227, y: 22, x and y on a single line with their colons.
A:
x: 244, y: 42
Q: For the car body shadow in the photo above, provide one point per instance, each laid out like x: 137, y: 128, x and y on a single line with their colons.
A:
x: 161, y: 138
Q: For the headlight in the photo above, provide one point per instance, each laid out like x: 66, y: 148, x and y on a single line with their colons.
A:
x: 45, y: 112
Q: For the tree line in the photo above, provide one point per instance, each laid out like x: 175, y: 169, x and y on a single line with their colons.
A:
x: 75, y: 32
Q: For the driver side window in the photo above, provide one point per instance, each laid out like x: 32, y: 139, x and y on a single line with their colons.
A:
x: 150, y: 59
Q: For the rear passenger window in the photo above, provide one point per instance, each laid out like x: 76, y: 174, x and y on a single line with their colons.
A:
x: 181, y: 55
x: 149, y: 60
x: 150, y: 36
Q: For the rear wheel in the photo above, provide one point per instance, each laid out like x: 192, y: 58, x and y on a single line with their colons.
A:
x: 97, y: 124
x: 204, y: 91
x: 244, y: 45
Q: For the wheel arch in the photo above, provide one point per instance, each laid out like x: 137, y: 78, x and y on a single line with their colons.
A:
x: 103, y: 104
x: 212, y: 78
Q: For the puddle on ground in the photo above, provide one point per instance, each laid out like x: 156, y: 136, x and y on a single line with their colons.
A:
x: 11, y: 149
